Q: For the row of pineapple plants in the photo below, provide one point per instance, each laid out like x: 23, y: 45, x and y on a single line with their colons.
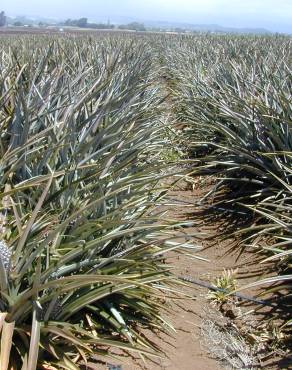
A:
x: 233, y: 94
x: 81, y: 269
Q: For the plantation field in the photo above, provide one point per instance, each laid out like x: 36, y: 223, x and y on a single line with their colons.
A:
x: 97, y: 134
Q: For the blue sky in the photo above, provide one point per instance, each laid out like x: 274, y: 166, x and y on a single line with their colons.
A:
x: 275, y: 15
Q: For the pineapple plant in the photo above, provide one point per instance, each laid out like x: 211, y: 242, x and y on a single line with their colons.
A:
x: 79, y: 118
x: 234, y: 95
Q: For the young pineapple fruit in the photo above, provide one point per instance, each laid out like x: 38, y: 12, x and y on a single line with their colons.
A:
x: 5, y: 256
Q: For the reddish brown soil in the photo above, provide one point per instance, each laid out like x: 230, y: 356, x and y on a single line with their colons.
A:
x: 184, y: 351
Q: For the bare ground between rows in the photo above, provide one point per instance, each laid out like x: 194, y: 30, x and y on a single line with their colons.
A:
x: 187, y: 348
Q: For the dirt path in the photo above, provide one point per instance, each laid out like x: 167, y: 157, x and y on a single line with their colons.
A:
x: 189, y: 347
x: 187, y: 350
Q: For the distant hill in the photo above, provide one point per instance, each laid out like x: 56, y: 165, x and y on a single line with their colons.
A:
x: 167, y: 25
x: 31, y: 20
x: 160, y: 25
x: 204, y: 27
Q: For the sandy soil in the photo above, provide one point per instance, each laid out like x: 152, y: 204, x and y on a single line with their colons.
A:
x: 186, y: 349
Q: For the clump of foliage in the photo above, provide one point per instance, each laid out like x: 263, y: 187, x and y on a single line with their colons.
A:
x: 224, y: 284
x: 83, y: 23
x: 135, y: 26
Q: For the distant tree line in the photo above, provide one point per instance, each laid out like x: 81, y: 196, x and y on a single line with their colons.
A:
x: 2, y: 19
x: 83, y: 23
x: 135, y: 26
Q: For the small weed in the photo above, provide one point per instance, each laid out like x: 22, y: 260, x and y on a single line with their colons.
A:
x: 171, y: 155
x: 225, y: 285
